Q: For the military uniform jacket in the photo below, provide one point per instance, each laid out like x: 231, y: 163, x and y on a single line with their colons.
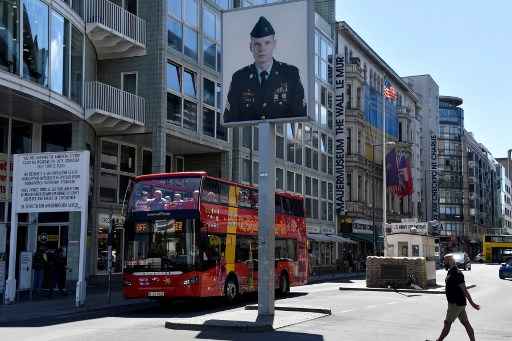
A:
x: 281, y: 96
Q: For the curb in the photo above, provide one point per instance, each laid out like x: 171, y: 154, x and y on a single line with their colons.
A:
x: 336, y: 278
x: 436, y: 292
x: 298, y: 309
x: 243, y: 327
x: 79, y: 313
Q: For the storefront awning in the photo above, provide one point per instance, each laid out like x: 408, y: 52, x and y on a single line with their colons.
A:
x: 362, y: 237
x: 328, y: 238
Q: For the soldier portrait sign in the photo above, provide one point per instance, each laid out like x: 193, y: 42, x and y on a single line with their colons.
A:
x: 268, y: 63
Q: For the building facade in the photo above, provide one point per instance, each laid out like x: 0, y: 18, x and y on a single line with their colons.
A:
x: 427, y: 91
x: 366, y: 75
x: 451, y: 190
x: 506, y: 196
x: 482, y: 202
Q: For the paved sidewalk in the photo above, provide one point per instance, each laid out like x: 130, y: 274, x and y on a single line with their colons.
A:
x: 59, y: 308
x: 336, y: 277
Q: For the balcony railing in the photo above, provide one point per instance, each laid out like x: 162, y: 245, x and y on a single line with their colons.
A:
x: 105, y: 103
x: 115, y: 31
x: 354, y: 69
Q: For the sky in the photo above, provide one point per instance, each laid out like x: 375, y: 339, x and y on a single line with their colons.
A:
x: 466, y: 46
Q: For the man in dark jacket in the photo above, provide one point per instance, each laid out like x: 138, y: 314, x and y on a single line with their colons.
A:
x: 456, y: 295
x: 266, y: 89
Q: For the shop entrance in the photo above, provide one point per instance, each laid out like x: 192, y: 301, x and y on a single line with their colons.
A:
x: 52, y: 237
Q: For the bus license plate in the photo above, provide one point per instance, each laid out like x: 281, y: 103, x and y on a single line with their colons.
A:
x: 155, y: 293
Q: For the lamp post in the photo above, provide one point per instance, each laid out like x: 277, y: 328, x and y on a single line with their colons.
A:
x: 389, y: 143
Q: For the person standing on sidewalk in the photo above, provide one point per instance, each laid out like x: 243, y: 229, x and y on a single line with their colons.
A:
x: 456, y: 294
x: 38, y: 264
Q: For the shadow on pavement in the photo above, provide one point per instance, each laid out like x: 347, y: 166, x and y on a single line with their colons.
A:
x: 223, y: 334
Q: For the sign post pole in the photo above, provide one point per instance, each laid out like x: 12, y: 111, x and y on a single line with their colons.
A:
x: 84, y: 187
x: 10, y: 288
x: 266, y: 215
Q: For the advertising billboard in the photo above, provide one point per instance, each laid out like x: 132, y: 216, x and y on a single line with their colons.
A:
x: 268, y: 64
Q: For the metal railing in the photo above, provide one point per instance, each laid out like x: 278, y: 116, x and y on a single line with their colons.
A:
x: 354, y: 68
x: 103, y: 97
x: 117, y: 19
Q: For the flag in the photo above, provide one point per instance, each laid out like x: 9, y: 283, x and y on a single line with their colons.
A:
x: 404, y: 175
x: 389, y: 90
x: 392, y: 179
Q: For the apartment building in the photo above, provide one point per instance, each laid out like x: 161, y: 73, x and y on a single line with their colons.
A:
x: 366, y: 74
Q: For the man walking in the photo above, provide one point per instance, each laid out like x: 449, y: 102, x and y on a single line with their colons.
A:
x: 456, y: 294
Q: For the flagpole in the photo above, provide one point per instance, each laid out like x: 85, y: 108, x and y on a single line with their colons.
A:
x: 384, y: 173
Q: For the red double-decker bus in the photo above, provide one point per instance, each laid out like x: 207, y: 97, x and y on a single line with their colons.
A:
x: 193, y: 235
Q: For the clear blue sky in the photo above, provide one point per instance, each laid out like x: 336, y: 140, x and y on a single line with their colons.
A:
x: 466, y: 46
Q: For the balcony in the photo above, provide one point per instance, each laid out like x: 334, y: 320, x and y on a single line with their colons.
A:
x: 355, y: 71
x: 112, y: 110
x: 115, y: 32
x: 402, y: 110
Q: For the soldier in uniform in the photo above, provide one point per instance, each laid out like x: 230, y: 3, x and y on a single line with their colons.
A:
x: 266, y: 89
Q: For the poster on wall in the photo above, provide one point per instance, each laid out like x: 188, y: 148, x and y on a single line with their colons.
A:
x: 268, y: 63
x: 340, y: 134
x: 51, y: 182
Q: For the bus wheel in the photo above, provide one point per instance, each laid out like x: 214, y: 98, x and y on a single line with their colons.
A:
x: 231, y: 289
x: 284, y: 284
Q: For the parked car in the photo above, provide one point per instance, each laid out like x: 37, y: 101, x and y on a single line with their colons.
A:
x: 479, y: 258
x: 506, y: 269
x: 462, y: 260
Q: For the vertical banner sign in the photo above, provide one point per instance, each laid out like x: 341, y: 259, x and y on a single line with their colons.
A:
x: 4, y: 180
x: 435, y: 177
x: 339, y: 83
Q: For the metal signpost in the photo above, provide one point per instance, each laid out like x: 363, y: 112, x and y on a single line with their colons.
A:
x: 49, y: 182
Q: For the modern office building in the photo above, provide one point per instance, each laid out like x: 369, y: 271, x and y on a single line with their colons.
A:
x: 427, y: 91
x: 482, y: 188
x: 450, y: 151
x: 366, y: 74
x: 506, y: 195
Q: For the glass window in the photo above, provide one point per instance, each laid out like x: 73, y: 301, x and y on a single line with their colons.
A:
x: 208, y: 92
x: 298, y: 183
x: 127, y: 159
x: 330, y: 191
x: 279, y: 178
x: 308, y: 185
x: 218, y: 92
x: 210, y: 52
x: 323, y: 190
x: 21, y: 137
x: 290, y: 181
x: 78, y: 7
x: 174, y: 8
x: 35, y: 41
x: 190, y: 115
x: 315, y: 187
x: 208, y: 122
x: 109, y: 157
x: 76, y: 65
x: 222, y: 131
x: 208, y: 23
x: 190, y: 39
x: 56, y: 137
x: 224, y: 4
x: 314, y: 209
x: 130, y: 83
x: 189, y: 84
x: 174, y: 34
x: 323, y: 210
x: 279, y: 147
x: 4, y: 134
x: 246, y: 136
x: 108, y: 187
x: 191, y: 12
x: 58, y: 54
x: 330, y: 164
x: 246, y: 170
x: 173, y: 77
x: 174, y: 108
x: 9, y: 53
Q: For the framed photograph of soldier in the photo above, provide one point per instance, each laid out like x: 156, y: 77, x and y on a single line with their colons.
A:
x: 268, y: 63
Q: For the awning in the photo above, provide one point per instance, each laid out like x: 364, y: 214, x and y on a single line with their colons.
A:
x: 362, y: 237
x: 328, y: 238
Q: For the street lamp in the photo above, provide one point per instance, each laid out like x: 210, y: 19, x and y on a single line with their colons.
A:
x: 389, y: 143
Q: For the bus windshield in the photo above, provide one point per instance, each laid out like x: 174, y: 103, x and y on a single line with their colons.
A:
x: 163, y: 245
x: 165, y: 194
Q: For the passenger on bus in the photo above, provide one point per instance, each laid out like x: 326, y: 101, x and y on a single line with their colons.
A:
x: 157, y: 203
x: 142, y: 203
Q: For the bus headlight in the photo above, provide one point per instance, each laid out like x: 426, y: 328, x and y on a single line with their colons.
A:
x: 191, y: 281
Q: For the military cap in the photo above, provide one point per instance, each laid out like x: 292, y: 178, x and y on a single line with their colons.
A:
x: 262, y: 29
